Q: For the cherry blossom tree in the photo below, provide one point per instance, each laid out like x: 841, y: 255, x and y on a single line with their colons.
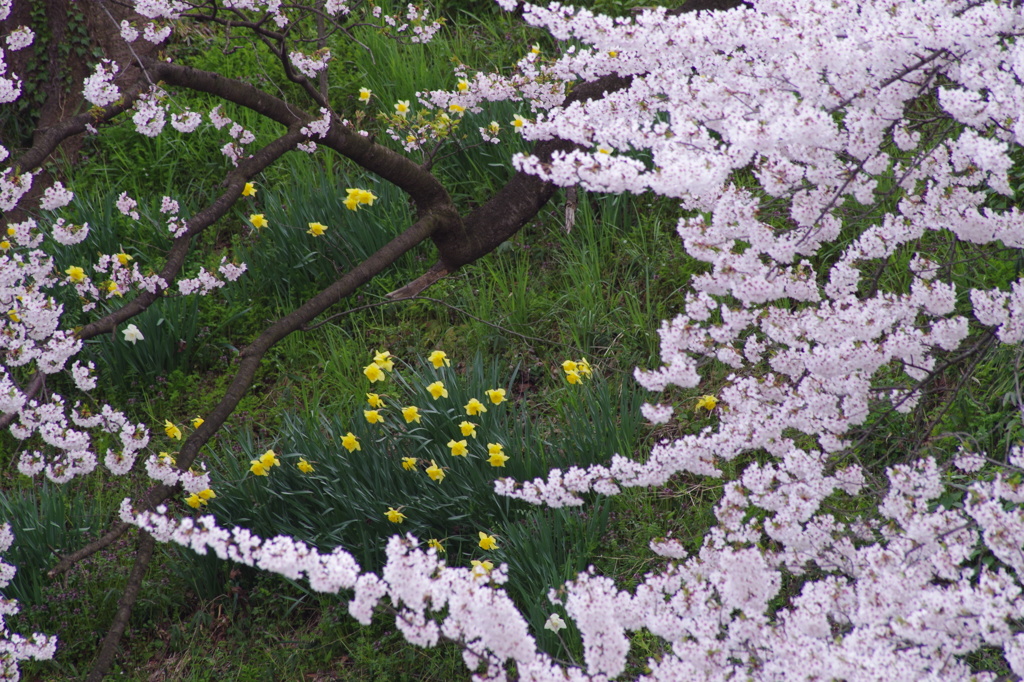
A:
x: 782, y: 128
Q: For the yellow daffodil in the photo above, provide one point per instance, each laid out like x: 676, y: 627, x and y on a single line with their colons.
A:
x: 437, y: 390
x: 708, y: 402
x: 249, y: 190
x: 535, y: 48
x: 206, y: 495
x: 383, y: 360
x: 373, y: 416
x: 481, y: 568
x: 394, y: 516
x: 257, y: 468
x: 375, y: 401
x: 497, y: 456
x: 402, y: 107
x: 13, y: 315
x: 497, y: 395
x: 409, y: 463
x: 258, y: 221
x: 458, y: 447
x: 487, y: 541
x: 456, y: 108
x: 435, y: 472
x: 171, y: 430
x: 357, y: 197
x: 435, y: 544
x: 573, y: 377
x: 364, y: 95
x: 166, y: 458
x: 411, y: 414
x: 111, y: 288
x: 197, y: 422
x: 316, y: 229
x: 123, y: 258
x: 468, y: 429
x: 374, y: 373
x: 518, y: 122
x: 613, y: 54
x: 493, y: 128
x: 439, y: 358
x: 350, y: 442
x: 584, y: 368
x: 269, y: 459
x: 5, y: 245
x: 569, y: 366
x: 304, y: 466
x: 475, y: 407
x: 194, y: 501
x: 76, y: 273
x: 463, y: 85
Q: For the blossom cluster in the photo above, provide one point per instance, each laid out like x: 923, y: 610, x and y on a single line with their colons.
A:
x: 15, y: 648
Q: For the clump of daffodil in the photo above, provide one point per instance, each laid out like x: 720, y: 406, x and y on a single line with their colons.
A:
x: 350, y: 442
x: 200, y: 499
x: 304, y: 466
x: 394, y: 515
x: 707, y: 402
x: 497, y: 455
x: 358, y: 197
x: 576, y: 370
x: 261, y: 466
x: 487, y: 541
x: 435, y: 472
x: 437, y: 390
x: 438, y: 359
x: 171, y: 430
